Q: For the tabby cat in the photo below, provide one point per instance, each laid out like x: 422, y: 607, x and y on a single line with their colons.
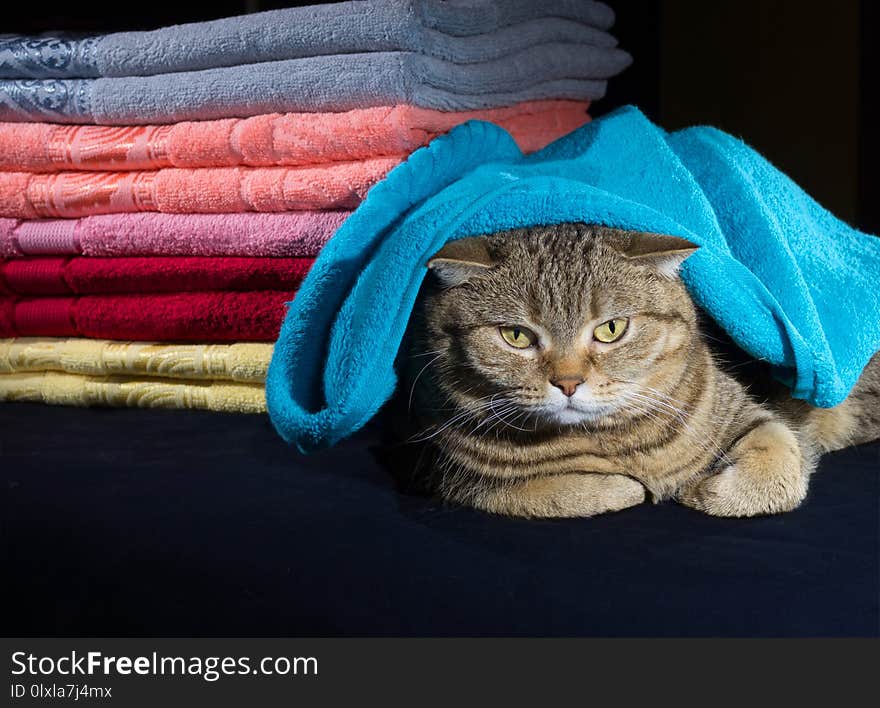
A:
x: 565, y: 371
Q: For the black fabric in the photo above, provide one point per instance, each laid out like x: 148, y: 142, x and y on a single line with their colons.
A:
x: 137, y: 522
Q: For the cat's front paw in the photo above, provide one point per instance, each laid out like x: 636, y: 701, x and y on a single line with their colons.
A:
x: 564, y: 495
x: 766, y: 476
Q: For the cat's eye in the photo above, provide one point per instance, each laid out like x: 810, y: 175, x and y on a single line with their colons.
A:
x: 611, y: 331
x: 518, y: 337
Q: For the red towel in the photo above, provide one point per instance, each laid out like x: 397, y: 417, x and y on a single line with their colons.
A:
x: 203, y: 316
x: 95, y: 276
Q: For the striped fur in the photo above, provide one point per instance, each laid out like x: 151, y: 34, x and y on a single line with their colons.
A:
x: 660, y: 412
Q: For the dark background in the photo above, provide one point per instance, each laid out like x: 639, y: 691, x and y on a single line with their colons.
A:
x: 793, y: 78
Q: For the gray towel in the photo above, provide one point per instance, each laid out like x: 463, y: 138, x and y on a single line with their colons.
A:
x: 458, y: 30
x: 325, y: 83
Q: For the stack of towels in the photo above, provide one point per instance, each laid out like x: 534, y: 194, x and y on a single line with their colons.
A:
x: 163, y: 194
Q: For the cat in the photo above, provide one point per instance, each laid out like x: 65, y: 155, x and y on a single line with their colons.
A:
x: 565, y: 371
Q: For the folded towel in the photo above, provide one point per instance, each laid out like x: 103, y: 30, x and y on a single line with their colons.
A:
x: 462, y: 31
x: 269, y: 140
x: 97, y: 276
x: 185, y: 317
x: 221, y: 190
x: 75, y: 390
x: 787, y: 280
x: 326, y: 83
x: 294, y: 234
x: 243, y: 361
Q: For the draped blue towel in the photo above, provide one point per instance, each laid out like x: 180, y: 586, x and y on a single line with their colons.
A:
x: 791, y: 283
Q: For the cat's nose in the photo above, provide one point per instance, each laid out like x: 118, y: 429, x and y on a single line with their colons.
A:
x: 567, y: 384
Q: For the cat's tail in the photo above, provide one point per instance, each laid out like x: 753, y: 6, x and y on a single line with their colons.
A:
x: 853, y: 422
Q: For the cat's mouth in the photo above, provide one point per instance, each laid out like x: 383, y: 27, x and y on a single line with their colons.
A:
x: 573, y: 412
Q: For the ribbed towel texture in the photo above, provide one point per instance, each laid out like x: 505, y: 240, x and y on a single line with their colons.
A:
x: 188, y: 317
x: 86, y: 372
x: 792, y: 284
x: 292, y: 234
x: 95, y: 276
x: 289, y: 139
x: 460, y: 31
x: 335, y: 83
x: 341, y: 185
x: 57, y: 388
x: 244, y: 362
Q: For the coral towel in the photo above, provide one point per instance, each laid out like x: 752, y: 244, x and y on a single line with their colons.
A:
x: 269, y: 140
x: 87, y: 276
x: 209, y: 316
x: 342, y: 185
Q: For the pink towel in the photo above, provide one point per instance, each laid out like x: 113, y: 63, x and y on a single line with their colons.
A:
x: 269, y: 140
x: 339, y: 185
x: 301, y: 233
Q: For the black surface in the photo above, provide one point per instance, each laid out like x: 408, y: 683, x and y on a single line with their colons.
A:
x: 130, y: 522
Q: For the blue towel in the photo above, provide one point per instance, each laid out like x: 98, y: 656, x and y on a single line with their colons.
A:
x: 460, y: 31
x: 787, y: 280
x: 338, y: 82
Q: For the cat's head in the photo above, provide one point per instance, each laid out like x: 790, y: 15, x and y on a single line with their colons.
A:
x: 562, y: 325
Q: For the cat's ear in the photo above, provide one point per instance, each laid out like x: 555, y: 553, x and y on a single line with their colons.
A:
x: 460, y: 260
x: 664, y: 253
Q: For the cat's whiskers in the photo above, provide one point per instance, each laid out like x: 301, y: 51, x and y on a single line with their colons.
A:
x: 669, y: 400
x: 678, y: 418
x: 506, y: 421
x: 677, y: 412
x: 507, y: 405
x: 472, y: 414
x: 464, y: 414
x: 703, y: 443
x: 722, y: 423
x: 416, y: 380
x: 635, y: 407
x: 468, y: 413
x: 523, y: 418
x: 420, y: 354
x: 655, y: 391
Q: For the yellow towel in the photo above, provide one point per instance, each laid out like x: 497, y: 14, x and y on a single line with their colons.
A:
x: 76, y: 390
x: 245, y: 362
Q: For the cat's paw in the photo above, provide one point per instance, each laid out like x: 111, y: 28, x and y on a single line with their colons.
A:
x: 569, y: 495
x: 767, y: 476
